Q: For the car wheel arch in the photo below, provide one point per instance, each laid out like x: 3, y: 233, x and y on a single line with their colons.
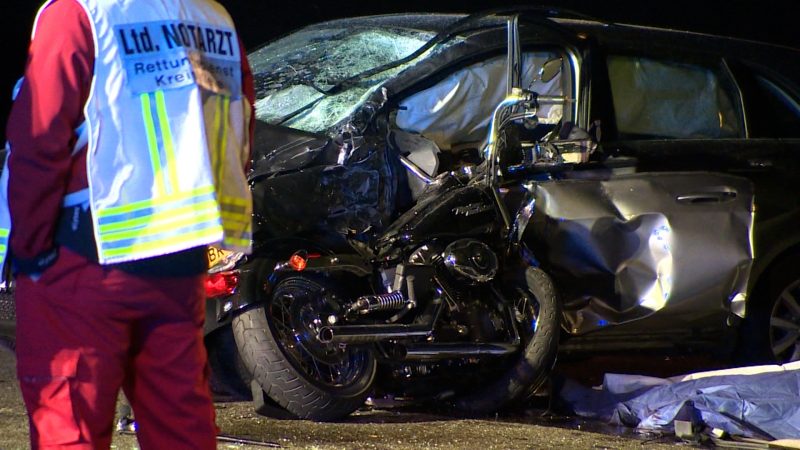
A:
x: 754, y: 332
x: 766, y: 266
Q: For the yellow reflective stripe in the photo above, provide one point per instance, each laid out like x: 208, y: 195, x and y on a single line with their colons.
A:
x: 161, y: 225
x: 234, y: 214
x: 206, y: 207
x: 4, y: 232
x: 152, y: 143
x: 237, y: 242
x: 169, y: 146
x: 238, y: 238
x: 223, y: 138
x: 214, y: 137
x: 167, y: 241
x: 161, y: 201
x: 240, y: 234
x: 236, y: 201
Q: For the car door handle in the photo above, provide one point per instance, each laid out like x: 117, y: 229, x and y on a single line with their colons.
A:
x: 706, y: 197
x: 759, y: 163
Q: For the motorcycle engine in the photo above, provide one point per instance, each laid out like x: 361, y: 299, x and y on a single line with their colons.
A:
x: 470, y: 260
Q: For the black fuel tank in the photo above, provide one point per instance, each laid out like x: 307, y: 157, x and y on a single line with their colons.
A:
x: 448, y: 210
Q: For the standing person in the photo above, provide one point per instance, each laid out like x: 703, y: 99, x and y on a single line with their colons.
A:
x: 128, y: 144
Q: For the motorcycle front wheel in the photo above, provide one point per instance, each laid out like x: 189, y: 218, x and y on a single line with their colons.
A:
x: 538, y: 318
x: 278, y: 344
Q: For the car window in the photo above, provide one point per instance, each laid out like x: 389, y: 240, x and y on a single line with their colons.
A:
x: 292, y: 73
x: 771, y: 111
x: 458, y: 108
x: 656, y: 99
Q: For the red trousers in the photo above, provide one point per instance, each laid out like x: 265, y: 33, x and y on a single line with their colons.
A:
x: 84, y: 331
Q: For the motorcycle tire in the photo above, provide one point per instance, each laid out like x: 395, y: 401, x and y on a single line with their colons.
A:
x: 291, y: 366
x: 536, y: 360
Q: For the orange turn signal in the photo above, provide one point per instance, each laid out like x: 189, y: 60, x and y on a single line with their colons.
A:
x: 298, y: 261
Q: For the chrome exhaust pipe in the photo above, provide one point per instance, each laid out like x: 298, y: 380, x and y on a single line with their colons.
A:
x: 363, y: 334
x: 427, y: 352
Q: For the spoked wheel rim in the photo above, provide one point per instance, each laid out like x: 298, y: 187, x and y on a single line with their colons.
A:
x: 784, y: 325
x: 298, y: 309
x: 526, y: 315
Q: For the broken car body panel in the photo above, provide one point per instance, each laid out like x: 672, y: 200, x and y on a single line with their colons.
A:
x: 629, y: 246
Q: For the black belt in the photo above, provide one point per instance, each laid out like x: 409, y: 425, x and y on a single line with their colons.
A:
x: 75, y: 231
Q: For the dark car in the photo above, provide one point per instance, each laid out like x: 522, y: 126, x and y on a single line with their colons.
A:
x: 670, y: 224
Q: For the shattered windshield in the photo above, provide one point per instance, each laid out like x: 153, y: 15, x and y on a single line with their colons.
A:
x: 293, y: 73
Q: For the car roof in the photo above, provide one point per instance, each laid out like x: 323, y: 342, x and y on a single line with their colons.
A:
x: 488, y: 28
x: 485, y: 33
x: 438, y: 22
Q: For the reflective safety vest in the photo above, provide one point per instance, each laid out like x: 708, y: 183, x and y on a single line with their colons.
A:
x: 167, y: 127
x: 5, y: 216
x: 5, y: 220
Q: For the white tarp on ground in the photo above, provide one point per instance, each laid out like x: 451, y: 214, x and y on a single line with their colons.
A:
x: 762, y: 401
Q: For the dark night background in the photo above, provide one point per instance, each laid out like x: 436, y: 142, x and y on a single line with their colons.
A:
x: 259, y: 21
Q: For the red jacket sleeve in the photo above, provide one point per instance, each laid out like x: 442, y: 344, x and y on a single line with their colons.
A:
x: 42, y: 122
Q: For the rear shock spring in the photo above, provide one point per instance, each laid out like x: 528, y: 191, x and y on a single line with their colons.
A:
x: 382, y: 302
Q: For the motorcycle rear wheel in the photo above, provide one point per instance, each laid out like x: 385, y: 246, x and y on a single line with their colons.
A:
x: 312, y: 380
x: 539, y: 321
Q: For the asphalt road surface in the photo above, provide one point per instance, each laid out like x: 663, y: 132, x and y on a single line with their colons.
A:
x: 371, y: 428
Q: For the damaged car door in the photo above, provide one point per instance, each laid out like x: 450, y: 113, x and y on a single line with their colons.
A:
x: 657, y: 254
x: 660, y: 253
x: 726, y: 109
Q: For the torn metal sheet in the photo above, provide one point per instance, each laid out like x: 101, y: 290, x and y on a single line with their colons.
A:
x: 753, y: 401
x: 280, y: 149
x: 625, y: 247
x: 305, y: 189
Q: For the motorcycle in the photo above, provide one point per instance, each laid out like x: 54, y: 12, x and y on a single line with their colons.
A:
x: 446, y: 303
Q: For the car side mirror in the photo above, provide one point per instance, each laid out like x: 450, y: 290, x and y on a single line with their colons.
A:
x: 550, y: 69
